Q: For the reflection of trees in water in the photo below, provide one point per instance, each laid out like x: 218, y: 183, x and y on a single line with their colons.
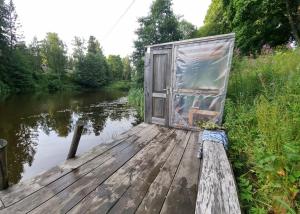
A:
x: 21, y: 150
x: 20, y: 127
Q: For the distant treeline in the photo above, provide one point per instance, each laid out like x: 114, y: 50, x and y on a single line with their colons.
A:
x: 44, y: 66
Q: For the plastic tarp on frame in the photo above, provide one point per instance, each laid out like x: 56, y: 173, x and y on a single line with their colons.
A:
x: 200, y: 77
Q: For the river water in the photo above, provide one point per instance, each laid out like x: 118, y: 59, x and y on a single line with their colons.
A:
x: 39, y: 128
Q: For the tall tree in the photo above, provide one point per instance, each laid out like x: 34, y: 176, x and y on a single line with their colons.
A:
x: 78, y: 48
x: 54, y: 54
x: 161, y: 25
x: 4, y: 49
x: 187, y: 29
x: 293, y: 14
x: 115, y: 66
x: 255, y: 22
x: 127, y: 69
x: 13, y: 24
x: 94, y: 46
x: 92, y: 70
x: 35, y: 50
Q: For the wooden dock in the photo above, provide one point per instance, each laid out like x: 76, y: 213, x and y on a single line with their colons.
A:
x: 149, y: 169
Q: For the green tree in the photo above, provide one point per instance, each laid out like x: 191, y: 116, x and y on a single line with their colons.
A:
x: 127, y: 69
x: 36, y: 57
x: 20, y: 69
x: 13, y: 24
x: 54, y: 54
x: 92, y: 70
x: 215, y: 21
x: 255, y: 22
x: 4, y: 55
x: 187, y: 29
x: 161, y: 25
x: 115, y: 66
x: 94, y: 46
x: 79, y: 49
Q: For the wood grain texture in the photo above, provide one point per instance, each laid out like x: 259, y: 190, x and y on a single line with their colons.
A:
x: 160, y: 65
x: 148, y: 88
x: 182, y: 195
x: 107, y: 194
x: 73, y: 194
x: 217, y: 190
x: 157, y: 84
x: 155, y: 197
x: 130, y: 201
x: 152, y: 169
x: 18, y: 192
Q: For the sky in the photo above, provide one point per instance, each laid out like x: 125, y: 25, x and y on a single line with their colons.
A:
x: 83, y: 18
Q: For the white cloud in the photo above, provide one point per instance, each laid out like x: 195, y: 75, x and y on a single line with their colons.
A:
x: 96, y: 17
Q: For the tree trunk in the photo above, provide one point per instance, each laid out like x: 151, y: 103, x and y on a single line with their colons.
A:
x: 292, y: 22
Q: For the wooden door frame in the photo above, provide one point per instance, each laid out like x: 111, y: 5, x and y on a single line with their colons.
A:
x: 148, y: 87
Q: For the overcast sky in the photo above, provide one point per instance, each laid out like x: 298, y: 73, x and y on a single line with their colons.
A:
x: 83, y: 18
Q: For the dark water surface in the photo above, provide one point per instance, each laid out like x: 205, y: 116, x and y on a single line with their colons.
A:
x: 39, y: 129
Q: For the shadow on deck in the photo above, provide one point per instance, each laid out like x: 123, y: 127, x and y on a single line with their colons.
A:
x: 149, y: 169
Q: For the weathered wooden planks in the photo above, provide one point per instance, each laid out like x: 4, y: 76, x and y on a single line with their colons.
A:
x: 23, y: 189
x: 217, y: 190
x: 41, y: 188
x: 182, y: 195
x: 107, y: 194
x: 156, y: 86
x: 74, y: 193
x: 154, y: 199
x: 130, y: 201
x: 150, y: 169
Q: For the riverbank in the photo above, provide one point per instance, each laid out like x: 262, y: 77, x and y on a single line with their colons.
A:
x: 262, y: 119
x: 53, y: 85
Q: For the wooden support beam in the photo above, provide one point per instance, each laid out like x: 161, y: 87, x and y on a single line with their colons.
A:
x: 75, y: 140
x: 3, y: 165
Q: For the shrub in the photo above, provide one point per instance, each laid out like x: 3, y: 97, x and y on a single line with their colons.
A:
x: 262, y: 114
x: 136, y: 99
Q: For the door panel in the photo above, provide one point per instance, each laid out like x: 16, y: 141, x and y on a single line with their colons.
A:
x: 158, y: 108
x: 160, y: 71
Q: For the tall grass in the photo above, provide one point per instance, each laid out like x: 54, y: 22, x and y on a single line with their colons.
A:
x: 262, y: 117
x: 136, y: 99
x: 262, y: 114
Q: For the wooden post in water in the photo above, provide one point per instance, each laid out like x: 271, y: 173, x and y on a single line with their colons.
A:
x: 75, y: 140
x: 3, y: 165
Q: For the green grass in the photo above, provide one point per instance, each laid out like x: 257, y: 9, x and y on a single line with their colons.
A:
x: 136, y: 99
x: 262, y: 115
x: 121, y: 85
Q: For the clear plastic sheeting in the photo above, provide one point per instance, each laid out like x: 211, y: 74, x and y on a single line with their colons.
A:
x: 200, y: 81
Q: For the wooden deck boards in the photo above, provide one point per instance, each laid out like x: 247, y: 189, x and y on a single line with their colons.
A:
x: 149, y: 169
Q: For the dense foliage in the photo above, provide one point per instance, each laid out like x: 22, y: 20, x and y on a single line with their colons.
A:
x: 255, y: 22
x: 263, y: 121
x: 161, y: 25
x: 44, y: 66
x: 91, y: 69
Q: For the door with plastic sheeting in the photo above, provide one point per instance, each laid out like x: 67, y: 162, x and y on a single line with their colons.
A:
x: 200, y: 77
x: 157, y: 85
